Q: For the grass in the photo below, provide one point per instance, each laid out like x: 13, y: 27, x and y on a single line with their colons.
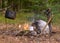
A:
x: 20, y: 18
x: 56, y: 19
x: 56, y: 13
x: 26, y: 17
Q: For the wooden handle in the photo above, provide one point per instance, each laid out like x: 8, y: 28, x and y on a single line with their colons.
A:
x: 47, y: 23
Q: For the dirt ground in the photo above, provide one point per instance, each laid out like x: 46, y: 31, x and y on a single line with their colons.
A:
x: 8, y: 36
x: 24, y: 39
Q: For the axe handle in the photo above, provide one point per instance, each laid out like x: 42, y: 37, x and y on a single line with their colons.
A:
x: 47, y: 23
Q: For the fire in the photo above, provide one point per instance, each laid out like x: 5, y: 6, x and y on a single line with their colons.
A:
x: 26, y: 26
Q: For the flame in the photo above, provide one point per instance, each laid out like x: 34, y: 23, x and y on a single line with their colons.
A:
x: 26, y: 26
